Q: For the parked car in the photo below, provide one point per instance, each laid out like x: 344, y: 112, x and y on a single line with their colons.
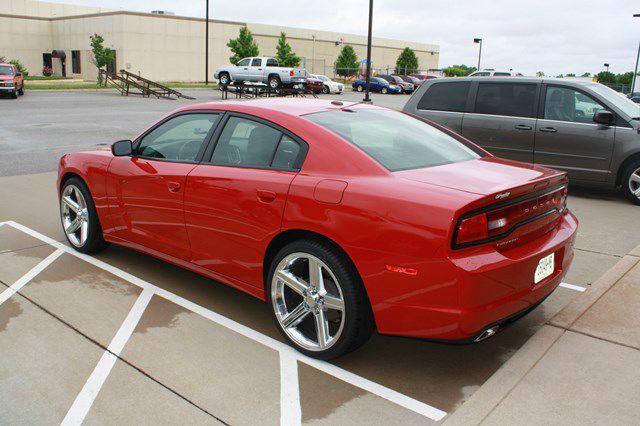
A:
x: 635, y: 97
x: 261, y: 70
x: 409, y: 79
x: 494, y: 73
x: 330, y: 86
x: 404, y: 86
x: 584, y: 128
x: 314, y: 84
x: 376, y: 84
x: 364, y: 218
x: 422, y: 77
x: 11, y: 80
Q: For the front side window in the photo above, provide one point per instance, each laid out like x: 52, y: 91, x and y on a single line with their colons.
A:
x: 244, y: 63
x: 449, y: 96
x: 481, y: 74
x: 565, y: 104
x: 248, y: 143
x: 511, y: 99
x: 395, y: 140
x: 256, y: 62
x: 178, y: 139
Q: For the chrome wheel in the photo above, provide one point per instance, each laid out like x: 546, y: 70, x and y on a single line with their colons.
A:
x: 634, y: 183
x: 308, y: 301
x: 75, y: 215
x: 274, y: 83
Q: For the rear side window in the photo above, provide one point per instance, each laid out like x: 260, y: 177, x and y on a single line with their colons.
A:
x: 511, y: 99
x: 272, y: 62
x: 502, y: 74
x: 248, y: 143
x: 450, y: 96
x: 256, y: 62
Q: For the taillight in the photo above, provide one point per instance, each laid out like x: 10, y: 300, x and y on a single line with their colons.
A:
x: 291, y: 73
x: 498, y: 222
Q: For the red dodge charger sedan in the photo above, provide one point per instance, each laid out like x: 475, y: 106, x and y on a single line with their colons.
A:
x: 345, y: 218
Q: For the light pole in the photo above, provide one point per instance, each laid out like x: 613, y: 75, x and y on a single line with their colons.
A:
x: 607, y: 66
x: 478, y: 41
x: 206, y: 47
x: 368, y: 75
x: 313, y: 55
x: 635, y: 71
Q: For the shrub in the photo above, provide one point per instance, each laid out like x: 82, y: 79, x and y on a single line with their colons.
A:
x: 47, y: 72
x: 19, y: 66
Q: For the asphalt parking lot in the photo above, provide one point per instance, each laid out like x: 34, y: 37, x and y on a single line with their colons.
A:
x: 122, y: 337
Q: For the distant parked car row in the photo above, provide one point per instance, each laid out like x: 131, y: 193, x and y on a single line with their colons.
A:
x: 390, y: 83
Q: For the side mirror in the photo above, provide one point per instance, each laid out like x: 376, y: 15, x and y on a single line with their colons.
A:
x: 19, y: 74
x: 122, y: 148
x: 604, y: 117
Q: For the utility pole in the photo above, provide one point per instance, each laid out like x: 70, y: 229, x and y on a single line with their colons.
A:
x: 635, y: 71
x: 478, y: 41
x: 368, y: 75
x: 206, y: 47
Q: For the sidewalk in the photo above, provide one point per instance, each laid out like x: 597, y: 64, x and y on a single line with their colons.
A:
x: 582, y: 367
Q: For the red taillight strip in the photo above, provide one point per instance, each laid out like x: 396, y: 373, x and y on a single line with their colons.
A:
x: 526, y: 218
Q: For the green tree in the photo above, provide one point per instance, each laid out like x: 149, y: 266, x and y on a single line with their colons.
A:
x: 347, y: 62
x: 407, y: 62
x: 285, y: 55
x: 625, y: 78
x: 570, y: 75
x: 606, y: 77
x: 243, y: 47
x: 586, y: 74
x: 540, y: 74
x: 102, y: 56
x: 458, y: 70
x: 23, y: 70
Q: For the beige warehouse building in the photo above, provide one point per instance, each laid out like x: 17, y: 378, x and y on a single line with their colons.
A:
x: 165, y: 47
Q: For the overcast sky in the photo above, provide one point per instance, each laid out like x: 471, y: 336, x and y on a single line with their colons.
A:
x: 553, y: 36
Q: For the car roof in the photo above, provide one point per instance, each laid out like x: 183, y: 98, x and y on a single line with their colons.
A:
x: 290, y: 106
x: 520, y: 79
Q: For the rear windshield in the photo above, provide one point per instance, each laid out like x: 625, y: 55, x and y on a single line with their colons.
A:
x: 395, y: 140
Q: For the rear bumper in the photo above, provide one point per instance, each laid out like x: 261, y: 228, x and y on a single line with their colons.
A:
x: 477, y: 288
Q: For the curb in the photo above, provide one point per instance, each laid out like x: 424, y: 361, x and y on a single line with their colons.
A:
x: 503, y: 381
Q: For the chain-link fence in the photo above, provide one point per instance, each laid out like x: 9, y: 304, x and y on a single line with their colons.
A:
x: 622, y: 88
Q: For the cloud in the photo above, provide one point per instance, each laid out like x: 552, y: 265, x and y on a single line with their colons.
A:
x: 559, y: 36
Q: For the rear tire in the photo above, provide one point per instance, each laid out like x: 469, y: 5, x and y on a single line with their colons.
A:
x: 88, y: 236
x: 631, y: 182
x: 346, y: 329
x: 274, y: 82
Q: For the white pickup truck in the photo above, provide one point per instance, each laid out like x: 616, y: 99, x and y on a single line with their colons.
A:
x: 261, y: 70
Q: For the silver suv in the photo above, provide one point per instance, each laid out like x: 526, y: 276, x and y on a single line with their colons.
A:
x: 584, y: 128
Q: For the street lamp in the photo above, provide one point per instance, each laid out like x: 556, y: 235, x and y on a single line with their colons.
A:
x: 206, y: 47
x: 607, y: 66
x: 478, y: 41
x: 368, y: 75
x: 635, y: 72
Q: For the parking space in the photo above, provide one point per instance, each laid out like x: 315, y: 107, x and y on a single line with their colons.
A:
x: 121, y: 337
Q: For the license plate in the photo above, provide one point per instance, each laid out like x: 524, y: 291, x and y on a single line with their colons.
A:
x: 545, y: 268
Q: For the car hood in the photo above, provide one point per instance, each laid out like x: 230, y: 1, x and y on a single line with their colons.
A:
x: 485, y: 176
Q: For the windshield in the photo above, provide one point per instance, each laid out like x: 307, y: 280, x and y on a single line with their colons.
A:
x: 395, y: 140
x: 6, y: 70
x: 322, y: 77
x: 627, y: 106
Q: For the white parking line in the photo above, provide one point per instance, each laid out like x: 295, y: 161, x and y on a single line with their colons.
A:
x: 340, y: 373
x: 573, y: 287
x: 290, y: 410
x: 5, y: 295
x: 90, y: 390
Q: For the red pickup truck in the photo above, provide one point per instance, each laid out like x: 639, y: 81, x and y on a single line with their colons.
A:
x: 11, y: 80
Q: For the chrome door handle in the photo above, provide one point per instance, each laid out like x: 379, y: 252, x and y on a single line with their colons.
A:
x: 522, y: 127
x: 548, y: 129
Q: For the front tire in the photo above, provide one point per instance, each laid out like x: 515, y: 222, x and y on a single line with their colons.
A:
x: 318, y: 301
x: 384, y: 91
x: 325, y: 90
x: 14, y: 94
x: 224, y: 79
x: 21, y: 91
x: 631, y: 182
x: 80, y: 222
x: 359, y: 88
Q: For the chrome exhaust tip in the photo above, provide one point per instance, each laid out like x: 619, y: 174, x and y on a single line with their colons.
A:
x: 487, y: 333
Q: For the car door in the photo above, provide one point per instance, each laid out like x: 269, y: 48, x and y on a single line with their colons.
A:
x: 235, y: 201
x: 242, y: 72
x: 255, y: 69
x: 443, y: 103
x: 146, y: 189
x: 568, y: 139
x: 503, y: 119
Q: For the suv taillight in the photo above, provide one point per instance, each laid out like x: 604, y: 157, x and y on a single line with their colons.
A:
x: 496, y: 223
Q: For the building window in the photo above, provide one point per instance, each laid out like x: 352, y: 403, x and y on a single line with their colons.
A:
x: 75, y: 61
